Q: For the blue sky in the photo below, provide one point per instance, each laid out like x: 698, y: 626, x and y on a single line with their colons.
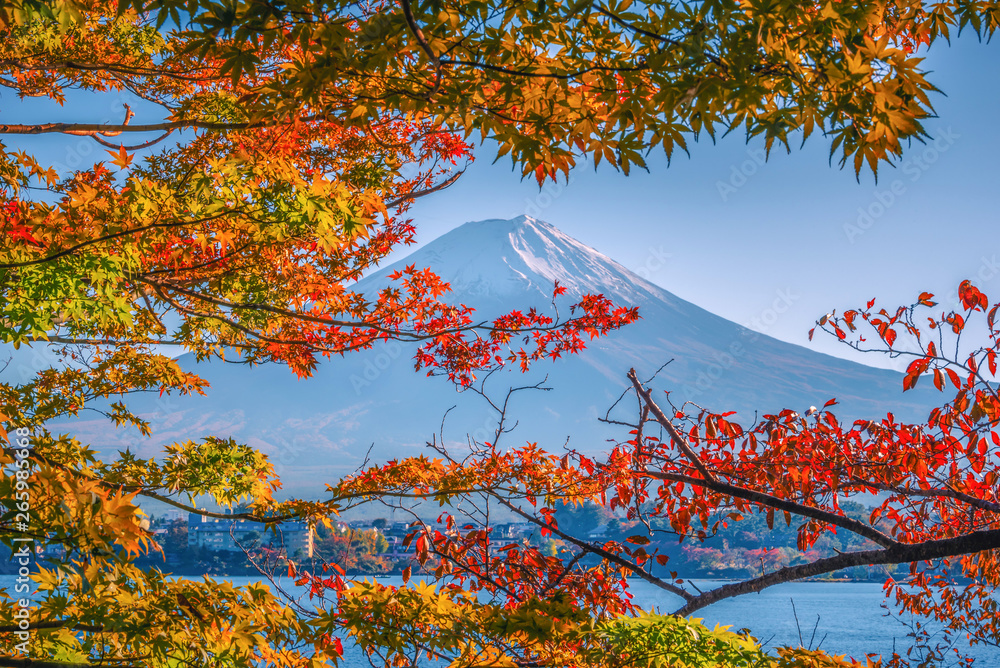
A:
x: 770, y: 245
x: 740, y: 238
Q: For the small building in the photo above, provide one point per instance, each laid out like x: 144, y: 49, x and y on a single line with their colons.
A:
x: 397, y: 551
x: 517, y: 530
x: 400, y: 528
x: 225, y: 535
x: 599, y: 532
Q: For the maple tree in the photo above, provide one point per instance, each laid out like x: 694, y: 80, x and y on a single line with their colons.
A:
x: 934, y: 489
x: 553, y: 81
x: 303, y: 130
x: 239, y: 240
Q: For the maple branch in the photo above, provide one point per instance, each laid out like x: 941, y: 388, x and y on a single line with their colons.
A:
x: 128, y: 118
x: 111, y: 130
x: 142, y: 491
x: 786, y: 505
x: 55, y: 624
x: 567, y: 569
x: 235, y: 253
x: 601, y: 552
x: 421, y: 193
x: 978, y: 541
x: 546, y: 75
x: 108, y: 67
x: 628, y: 26
x: 652, y: 35
x: 418, y: 33
x: 159, y: 289
x: 679, y: 441
x: 982, y: 504
x: 7, y: 83
x: 397, y: 334
x: 424, y: 46
x: 113, y: 342
x: 11, y: 662
x: 133, y: 147
x: 249, y: 517
x: 463, y: 567
x: 108, y: 237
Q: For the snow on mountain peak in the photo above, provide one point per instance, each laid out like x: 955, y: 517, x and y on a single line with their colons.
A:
x: 498, y: 258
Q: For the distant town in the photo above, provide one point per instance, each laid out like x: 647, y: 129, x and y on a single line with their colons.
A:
x: 197, y: 545
x: 202, y: 545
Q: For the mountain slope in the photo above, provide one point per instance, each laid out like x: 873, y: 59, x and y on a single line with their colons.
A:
x: 500, y: 265
x: 321, y: 428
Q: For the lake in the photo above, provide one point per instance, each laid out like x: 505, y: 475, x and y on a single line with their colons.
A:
x: 851, y: 619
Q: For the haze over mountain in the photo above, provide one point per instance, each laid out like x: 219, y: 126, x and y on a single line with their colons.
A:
x: 321, y: 428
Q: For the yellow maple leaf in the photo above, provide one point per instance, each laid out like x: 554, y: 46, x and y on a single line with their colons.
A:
x: 224, y: 239
x: 121, y: 157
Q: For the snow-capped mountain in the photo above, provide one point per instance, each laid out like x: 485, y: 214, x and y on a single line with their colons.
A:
x: 518, y: 260
x: 373, y: 405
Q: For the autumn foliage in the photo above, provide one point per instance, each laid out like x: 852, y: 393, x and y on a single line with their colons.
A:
x: 268, y: 163
x: 935, y: 485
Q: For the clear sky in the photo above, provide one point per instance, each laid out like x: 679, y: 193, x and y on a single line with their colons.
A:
x: 734, y: 236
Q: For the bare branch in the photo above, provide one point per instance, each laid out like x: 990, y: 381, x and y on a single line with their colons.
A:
x: 601, y: 552
x: 666, y: 424
x: 978, y: 541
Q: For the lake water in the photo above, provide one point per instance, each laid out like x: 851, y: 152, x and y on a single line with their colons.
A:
x: 851, y: 619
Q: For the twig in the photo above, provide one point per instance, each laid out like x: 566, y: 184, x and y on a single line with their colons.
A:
x: 666, y: 424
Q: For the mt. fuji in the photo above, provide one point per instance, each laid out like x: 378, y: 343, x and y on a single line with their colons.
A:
x: 517, y: 260
x: 373, y: 404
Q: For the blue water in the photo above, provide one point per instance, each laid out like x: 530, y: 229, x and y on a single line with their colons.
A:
x: 851, y: 619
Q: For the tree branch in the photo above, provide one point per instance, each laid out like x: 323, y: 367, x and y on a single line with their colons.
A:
x: 424, y: 46
x: 55, y: 624
x: 420, y: 193
x: 11, y: 662
x: 971, y: 543
x: 936, y: 492
x: 787, y: 505
x: 108, y: 237
x: 678, y: 440
x: 601, y: 552
x: 112, y: 130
